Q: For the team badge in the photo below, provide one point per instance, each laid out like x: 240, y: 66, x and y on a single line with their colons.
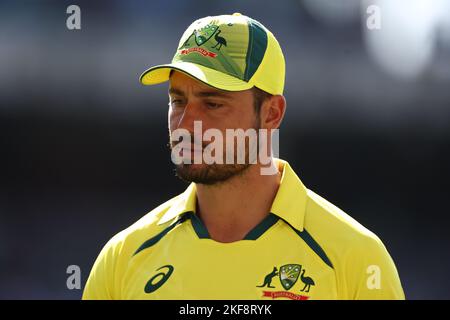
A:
x: 202, y: 35
x: 289, y: 275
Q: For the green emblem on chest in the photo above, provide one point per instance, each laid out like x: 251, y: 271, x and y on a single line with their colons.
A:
x: 289, y: 274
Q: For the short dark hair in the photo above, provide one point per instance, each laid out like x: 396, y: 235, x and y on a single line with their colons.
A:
x: 259, y: 96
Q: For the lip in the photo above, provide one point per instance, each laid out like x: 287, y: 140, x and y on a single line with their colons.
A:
x: 192, y: 149
x: 191, y: 153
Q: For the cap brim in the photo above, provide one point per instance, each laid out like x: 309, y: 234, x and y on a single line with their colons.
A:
x: 216, y: 79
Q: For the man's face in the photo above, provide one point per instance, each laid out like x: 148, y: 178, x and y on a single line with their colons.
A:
x: 191, y: 100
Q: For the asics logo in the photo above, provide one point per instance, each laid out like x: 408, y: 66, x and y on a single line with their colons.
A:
x: 158, y: 279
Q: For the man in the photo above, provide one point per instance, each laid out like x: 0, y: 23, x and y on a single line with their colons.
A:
x: 238, y: 231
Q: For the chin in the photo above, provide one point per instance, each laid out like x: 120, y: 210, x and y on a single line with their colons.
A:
x: 209, y: 174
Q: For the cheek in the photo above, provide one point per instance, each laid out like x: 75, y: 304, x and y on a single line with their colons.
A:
x: 172, y: 118
x: 243, y: 115
x: 244, y: 119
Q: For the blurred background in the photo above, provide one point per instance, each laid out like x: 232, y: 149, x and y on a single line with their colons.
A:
x: 83, y: 145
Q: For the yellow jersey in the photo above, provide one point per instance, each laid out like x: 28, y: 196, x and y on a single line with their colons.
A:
x: 306, y: 248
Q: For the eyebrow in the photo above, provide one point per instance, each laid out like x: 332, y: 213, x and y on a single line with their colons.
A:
x: 201, y: 94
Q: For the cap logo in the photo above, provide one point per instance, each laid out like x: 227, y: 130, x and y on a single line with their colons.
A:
x: 202, y: 36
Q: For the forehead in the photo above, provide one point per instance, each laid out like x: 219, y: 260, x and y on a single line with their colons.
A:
x: 182, y: 83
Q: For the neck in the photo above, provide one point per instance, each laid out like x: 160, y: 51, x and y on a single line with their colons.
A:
x: 231, y: 209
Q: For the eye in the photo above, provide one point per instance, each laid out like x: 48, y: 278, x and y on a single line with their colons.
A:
x: 212, y: 105
x: 176, y: 103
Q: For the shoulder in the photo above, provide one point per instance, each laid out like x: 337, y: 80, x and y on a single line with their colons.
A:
x: 105, y: 278
x: 126, y: 242
x: 340, y: 235
x: 325, y: 216
x: 358, y: 255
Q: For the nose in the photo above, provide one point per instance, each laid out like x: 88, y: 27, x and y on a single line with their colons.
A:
x: 189, y: 114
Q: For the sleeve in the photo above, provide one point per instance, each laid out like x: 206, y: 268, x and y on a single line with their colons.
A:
x: 101, y: 281
x: 371, y: 273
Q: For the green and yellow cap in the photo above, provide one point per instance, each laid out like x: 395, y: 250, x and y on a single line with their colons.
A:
x: 228, y: 52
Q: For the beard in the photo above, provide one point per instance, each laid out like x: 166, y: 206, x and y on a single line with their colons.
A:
x: 211, y: 174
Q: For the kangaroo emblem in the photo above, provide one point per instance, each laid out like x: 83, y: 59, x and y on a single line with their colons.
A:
x: 268, y: 278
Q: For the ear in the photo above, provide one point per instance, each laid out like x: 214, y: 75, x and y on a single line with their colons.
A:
x: 272, y: 112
